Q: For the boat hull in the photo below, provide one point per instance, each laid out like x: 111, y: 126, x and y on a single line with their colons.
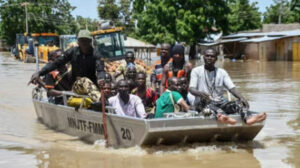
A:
x: 126, y: 131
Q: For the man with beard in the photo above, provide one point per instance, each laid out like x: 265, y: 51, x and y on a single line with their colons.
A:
x: 208, y: 83
x: 168, y: 101
x: 126, y: 104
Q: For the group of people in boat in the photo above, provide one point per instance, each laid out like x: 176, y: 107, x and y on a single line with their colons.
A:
x: 175, y: 84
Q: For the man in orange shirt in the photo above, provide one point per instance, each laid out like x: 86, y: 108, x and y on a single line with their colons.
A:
x: 157, y: 69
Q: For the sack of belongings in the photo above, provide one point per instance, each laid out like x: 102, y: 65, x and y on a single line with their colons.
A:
x: 76, y: 102
x: 84, y: 86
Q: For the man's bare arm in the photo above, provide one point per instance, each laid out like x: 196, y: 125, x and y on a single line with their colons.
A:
x: 184, y: 105
x: 197, y: 93
x: 164, y: 79
x: 238, y: 95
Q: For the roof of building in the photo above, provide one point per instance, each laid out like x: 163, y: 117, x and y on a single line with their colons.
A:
x: 260, y: 34
x: 223, y: 41
x: 254, y: 37
x: 134, y: 43
x: 260, y: 39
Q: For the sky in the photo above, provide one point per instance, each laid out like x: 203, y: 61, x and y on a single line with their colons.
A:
x: 88, y: 8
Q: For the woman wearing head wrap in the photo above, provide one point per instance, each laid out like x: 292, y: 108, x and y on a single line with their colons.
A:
x: 178, y: 67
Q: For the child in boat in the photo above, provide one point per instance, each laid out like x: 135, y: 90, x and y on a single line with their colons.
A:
x: 168, y: 102
x: 147, y: 94
x: 113, y: 89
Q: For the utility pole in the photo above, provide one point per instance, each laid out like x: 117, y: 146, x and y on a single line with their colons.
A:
x: 86, y: 26
x: 26, y: 15
x: 280, y: 12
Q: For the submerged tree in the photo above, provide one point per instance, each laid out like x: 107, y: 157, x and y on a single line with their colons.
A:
x: 243, y: 16
x: 43, y: 16
x: 179, y: 20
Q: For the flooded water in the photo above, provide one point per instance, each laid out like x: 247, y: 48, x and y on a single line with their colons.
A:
x: 271, y: 87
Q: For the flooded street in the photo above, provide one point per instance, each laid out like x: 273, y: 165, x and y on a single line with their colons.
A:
x: 271, y: 87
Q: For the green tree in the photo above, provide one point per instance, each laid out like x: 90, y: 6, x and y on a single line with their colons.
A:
x: 281, y: 8
x: 108, y: 10
x: 119, y: 13
x: 295, y: 5
x: 126, y: 19
x: 186, y: 21
x: 43, y: 16
x: 243, y: 16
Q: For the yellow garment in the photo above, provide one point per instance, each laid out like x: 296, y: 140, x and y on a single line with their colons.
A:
x: 76, y: 101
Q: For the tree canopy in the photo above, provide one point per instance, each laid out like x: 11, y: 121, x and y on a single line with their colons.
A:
x: 287, y: 15
x: 120, y: 13
x: 243, y: 16
x: 179, y: 20
x: 90, y: 24
x: 43, y: 16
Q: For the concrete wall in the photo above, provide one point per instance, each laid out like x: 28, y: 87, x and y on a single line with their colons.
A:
x: 280, y: 27
x: 276, y: 50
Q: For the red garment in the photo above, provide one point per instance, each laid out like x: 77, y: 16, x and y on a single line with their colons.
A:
x: 149, y: 99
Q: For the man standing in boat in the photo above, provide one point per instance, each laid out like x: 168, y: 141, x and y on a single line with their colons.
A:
x: 208, y: 83
x: 84, y: 60
x: 157, y: 68
x: 178, y: 67
x: 129, y: 60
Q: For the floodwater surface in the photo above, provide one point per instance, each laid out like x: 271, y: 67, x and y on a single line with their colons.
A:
x: 271, y: 87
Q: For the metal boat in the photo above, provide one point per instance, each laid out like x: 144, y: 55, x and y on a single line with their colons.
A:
x: 124, y: 131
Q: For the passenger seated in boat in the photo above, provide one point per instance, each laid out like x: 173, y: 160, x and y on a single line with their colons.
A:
x: 122, y: 69
x: 168, y: 102
x: 56, y: 81
x: 183, y: 82
x: 125, y: 103
x: 107, y: 90
x: 113, y: 89
x: 207, y: 84
x: 131, y: 76
x: 147, y: 94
